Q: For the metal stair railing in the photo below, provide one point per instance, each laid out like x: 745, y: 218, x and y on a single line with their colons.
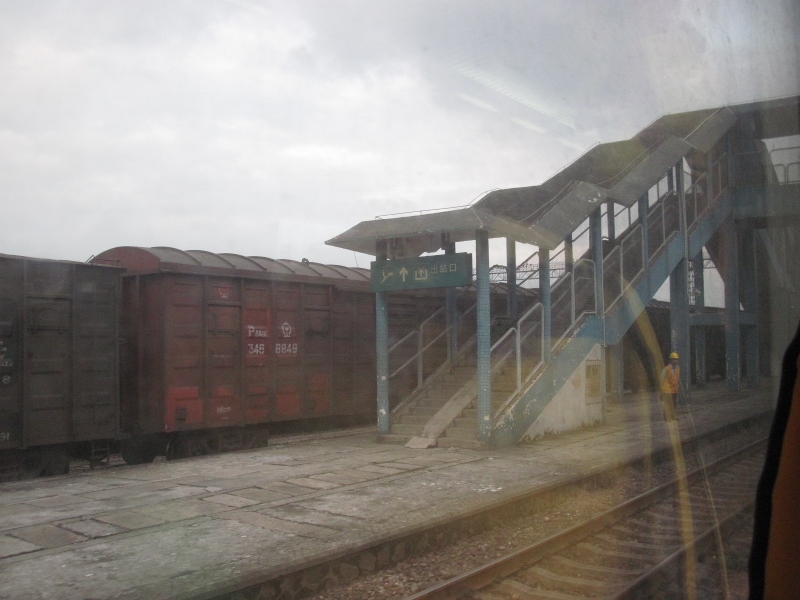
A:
x: 438, y: 348
x: 521, y: 349
x: 418, y: 337
x: 622, y: 267
x: 752, y: 169
x: 528, y: 269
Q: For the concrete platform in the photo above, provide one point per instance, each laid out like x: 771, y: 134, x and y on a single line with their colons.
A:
x: 197, y: 528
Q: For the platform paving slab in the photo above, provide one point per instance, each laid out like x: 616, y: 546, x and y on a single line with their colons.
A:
x: 48, y: 536
x: 187, y: 528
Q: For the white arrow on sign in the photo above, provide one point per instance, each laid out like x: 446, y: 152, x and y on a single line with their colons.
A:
x: 404, y: 274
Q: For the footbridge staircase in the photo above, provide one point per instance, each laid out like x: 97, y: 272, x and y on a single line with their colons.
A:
x: 610, y: 229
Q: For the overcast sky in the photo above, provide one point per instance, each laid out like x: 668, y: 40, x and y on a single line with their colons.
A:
x: 265, y: 128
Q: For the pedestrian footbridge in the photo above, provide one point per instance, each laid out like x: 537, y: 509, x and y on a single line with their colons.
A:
x: 534, y: 346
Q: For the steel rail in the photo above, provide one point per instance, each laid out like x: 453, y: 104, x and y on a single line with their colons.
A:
x: 485, y: 575
x: 644, y: 581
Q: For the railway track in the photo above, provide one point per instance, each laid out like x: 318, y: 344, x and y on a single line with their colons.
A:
x: 646, y: 547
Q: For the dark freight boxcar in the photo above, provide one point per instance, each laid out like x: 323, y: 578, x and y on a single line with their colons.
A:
x: 58, y: 361
x: 216, y: 345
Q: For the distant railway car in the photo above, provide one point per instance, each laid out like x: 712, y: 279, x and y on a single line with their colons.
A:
x: 214, y: 346
x: 58, y: 362
x: 157, y: 351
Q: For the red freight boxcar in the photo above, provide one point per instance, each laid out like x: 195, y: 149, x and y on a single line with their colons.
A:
x: 216, y: 345
x: 58, y: 362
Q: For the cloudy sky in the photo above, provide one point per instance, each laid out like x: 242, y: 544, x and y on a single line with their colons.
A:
x: 264, y: 128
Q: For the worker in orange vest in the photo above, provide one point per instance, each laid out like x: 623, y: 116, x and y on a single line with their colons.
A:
x: 670, y: 382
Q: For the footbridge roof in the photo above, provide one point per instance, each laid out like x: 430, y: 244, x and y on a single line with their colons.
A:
x: 543, y: 215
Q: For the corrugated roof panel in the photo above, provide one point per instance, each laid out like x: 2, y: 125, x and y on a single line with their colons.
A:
x: 351, y: 273
x: 677, y: 125
x: 299, y: 268
x: 569, y: 212
x: 243, y: 263
x: 640, y: 179
x: 270, y: 265
x: 516, y: 203
x: 209, y: 259
x: 709, y: 132
x: 172, y: 255
x: 325, y: 270
x: 601, y: 167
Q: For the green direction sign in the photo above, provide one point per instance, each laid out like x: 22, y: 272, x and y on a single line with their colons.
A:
x: 441, y: 270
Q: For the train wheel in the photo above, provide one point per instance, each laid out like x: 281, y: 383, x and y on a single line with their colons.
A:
x: 139, y: 450
x: 186, y: 446
x: 257, y: 438
x: 212, y: 444
x: 32, y: 465
x: 56, y: 461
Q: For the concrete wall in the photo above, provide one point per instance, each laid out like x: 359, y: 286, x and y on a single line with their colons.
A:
x: 571, y: 407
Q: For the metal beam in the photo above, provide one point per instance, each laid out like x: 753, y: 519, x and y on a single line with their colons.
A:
x: 544, y: 298
x: 679, y: 297
x: 679, y: 323
x: 511, y: 278
x: 699, y: 333
x: 644, y: 213
x: 596, y: 244
x: 569, y: 257
x: 611, y: 221
x: 382, y: 348
x: 451, y: 302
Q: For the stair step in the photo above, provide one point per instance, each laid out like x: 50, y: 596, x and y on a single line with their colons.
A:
x: 403, y: 429
x: 418, y: 420
x: 436, y: 403
x: 424, y: 411
x: 466, y: 423
x: 462, y: 433
x: 438, y: 392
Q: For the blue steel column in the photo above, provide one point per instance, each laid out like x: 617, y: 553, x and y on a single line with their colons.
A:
x: 596, y: 243
x: 483, y: 336
x: 569, y: 257
x: 750, y: 304
x: 544, y: 298
x: 679, y: 322
x: 732, y: 333
x: 511, y: 277
x: 611, y: 221
x: 679, y: 297
x: 699, y: 332
x: 644, y: 210
x: 451, y: 301
x: 382, y: 347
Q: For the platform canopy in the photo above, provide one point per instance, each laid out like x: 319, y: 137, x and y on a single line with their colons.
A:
x: 413, y: 235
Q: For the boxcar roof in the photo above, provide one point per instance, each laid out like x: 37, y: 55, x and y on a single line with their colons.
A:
x: 164, y: 259
x: 62, y: 261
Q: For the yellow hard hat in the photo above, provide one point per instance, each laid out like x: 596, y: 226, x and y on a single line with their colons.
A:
x: 673, y: 355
